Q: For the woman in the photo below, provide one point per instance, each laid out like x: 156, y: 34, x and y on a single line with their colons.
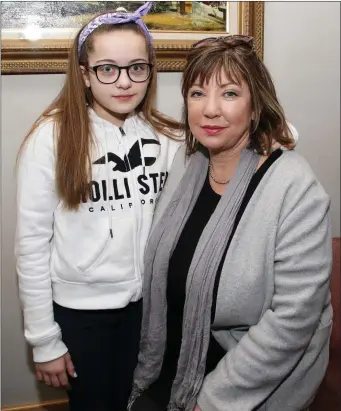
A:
x: 237, y: 313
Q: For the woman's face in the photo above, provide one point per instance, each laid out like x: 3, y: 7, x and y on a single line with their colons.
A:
x: 220, y: 113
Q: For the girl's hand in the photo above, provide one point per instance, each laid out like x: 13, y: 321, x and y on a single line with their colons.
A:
x: 54, y: 373
x: 197, y: 408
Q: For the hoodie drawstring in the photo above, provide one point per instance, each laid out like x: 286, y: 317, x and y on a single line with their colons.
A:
x: 141, y: 147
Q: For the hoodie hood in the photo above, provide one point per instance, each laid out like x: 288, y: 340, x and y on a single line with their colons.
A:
x: 96, y: 119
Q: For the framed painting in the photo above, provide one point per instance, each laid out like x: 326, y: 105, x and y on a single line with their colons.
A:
x: 36, y: 35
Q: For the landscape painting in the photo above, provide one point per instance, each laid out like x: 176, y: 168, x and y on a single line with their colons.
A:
x: 164, y: 15
x: 36, y: 35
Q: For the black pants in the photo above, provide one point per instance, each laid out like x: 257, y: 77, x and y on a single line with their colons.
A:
x: 103, y: 345
x: 145, y: 403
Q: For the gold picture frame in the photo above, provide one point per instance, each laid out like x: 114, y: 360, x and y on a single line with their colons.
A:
x: 50, y: 56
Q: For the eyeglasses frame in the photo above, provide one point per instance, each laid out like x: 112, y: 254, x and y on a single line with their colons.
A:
x: 120, y: 68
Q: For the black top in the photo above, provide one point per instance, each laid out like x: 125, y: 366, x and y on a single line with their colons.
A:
x: 179, y: 265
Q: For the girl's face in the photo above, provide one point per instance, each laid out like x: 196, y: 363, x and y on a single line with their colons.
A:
x: 115, y: 101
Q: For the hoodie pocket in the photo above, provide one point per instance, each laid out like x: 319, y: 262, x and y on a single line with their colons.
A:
x: 94, y: 259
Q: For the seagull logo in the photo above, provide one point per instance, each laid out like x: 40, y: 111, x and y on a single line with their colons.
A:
x: 133, y: 158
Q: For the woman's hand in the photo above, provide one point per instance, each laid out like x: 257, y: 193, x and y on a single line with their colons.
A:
x: 291, y: 146
x: 276, y: 145
x: 54, y: 373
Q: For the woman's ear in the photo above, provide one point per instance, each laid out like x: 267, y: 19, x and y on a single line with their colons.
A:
x: 85, y: 74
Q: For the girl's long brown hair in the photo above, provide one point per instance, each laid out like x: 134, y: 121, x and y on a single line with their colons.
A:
x: 72, y: 130
x: 237, y: 59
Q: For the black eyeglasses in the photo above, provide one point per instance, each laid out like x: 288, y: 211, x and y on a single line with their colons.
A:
x: 224, y: 39
x: 110, y: 73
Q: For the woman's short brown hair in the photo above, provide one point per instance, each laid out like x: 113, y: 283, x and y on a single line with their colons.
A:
x: 239, y: 61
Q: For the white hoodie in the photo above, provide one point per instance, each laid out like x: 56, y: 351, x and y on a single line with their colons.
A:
x: 91, y: 258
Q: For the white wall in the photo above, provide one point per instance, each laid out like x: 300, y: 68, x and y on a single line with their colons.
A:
x: 302, y: 50
x: 23, y: 98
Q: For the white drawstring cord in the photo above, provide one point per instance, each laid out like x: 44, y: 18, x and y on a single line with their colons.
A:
x: 141, y: 147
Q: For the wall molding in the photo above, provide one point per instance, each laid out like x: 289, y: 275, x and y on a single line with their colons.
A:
x: 60, y: 405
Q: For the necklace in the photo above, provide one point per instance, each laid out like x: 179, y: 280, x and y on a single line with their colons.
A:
x: 218, y: 182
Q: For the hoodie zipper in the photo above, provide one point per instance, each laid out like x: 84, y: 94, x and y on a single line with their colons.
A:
x: 123, y: 134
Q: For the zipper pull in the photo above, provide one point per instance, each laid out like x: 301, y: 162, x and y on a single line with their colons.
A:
x: 122, y: 131
x: 111, y: 234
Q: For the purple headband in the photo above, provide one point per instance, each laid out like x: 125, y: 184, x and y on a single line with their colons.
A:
x: 116, y: 18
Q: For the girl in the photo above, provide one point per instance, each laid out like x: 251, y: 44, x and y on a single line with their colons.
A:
x: 90, y: 172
